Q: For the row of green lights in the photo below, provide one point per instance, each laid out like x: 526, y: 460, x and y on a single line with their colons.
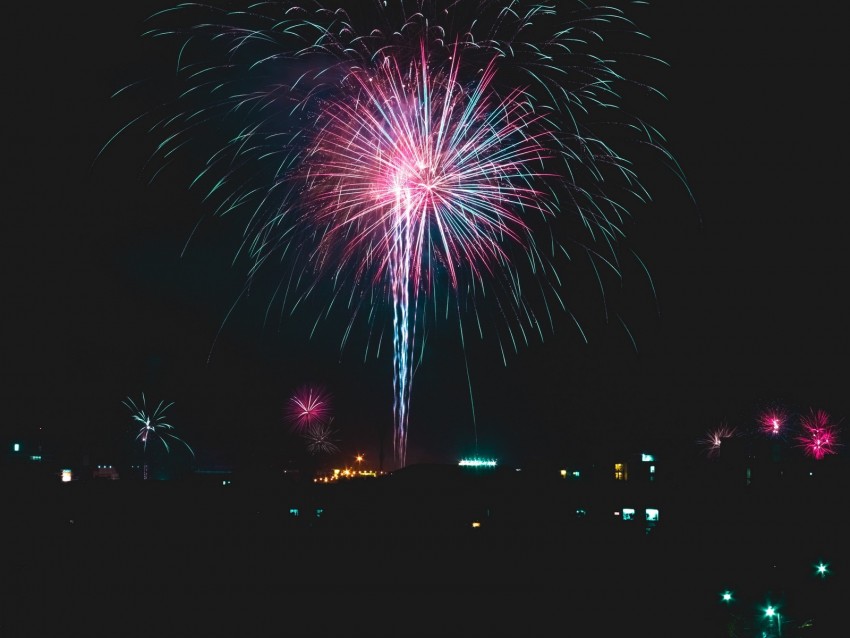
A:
x: 821, y: 569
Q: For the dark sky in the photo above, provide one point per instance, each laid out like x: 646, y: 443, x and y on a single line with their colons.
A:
x: 750, y: 311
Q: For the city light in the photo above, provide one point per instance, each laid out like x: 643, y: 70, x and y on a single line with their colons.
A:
x: 337, y: 474
x: 478, y: 462
x: 822, y: 569
x: 772, y: 612
x: 726, y: 596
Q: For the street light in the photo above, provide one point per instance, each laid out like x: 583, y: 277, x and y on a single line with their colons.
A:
x: 726, y: 596
x: 822, y: 569
x: 771, y: 612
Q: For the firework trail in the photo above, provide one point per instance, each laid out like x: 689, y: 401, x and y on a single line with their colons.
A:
x: 308, y: 405
x: 415, y: 149
x: 820, y: 434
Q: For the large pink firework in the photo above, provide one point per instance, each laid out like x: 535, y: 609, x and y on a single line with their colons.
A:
x: 417, y: 174
x: 820, y: 434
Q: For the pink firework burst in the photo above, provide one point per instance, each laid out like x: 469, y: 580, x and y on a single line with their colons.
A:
x: 414, y: 175
x: 714, y: 439
x: 772, y: 422
x: 820, y: 436
x: 310, y: 405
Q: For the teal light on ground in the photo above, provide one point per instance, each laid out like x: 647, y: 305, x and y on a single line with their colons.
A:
x: 293, y: 511
x: 726, y: 596
x: 478, y: 462
x: 647, y: 458
x: 822, y: 569
x: 16, y: 447
x: 628, y: 513
x: 651, y: 514
x: 770, y: 611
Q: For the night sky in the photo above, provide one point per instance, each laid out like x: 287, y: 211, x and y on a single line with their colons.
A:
x: 750, y: 308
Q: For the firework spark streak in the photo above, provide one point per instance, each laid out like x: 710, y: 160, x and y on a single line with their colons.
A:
x: 416, y: 149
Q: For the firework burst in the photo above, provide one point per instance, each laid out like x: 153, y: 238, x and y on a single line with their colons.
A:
x: 820, y: 434
x: 415, y: 149
x: 714, y: 438
x: 773, y: 422
x: 321, y: 438
x: 421, y: 176
x: 307, y: 406
x: 152, y: 424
